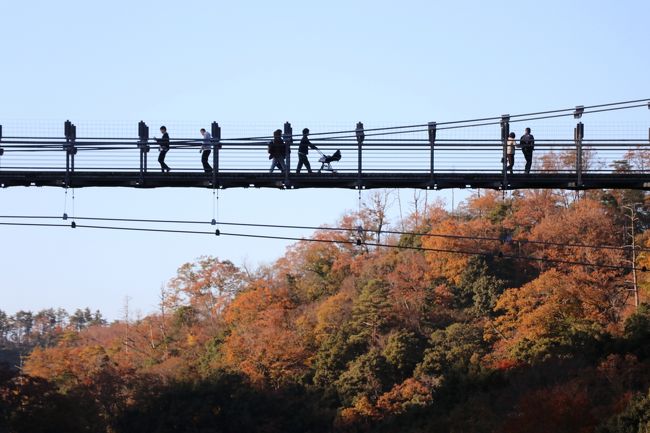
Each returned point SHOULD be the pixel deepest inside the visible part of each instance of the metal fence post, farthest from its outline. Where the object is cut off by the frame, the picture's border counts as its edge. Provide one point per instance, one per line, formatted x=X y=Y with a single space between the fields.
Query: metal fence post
x=70 y=132
x=288 y=141
x=431 y=129
x=216 y=145
x=578 y=135
x=505 y=132
x=2 y=151
x=361 y=136
x=73 y=148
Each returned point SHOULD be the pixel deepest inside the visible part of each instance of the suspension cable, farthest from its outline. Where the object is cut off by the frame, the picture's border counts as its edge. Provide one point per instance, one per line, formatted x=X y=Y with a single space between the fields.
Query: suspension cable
x=332 y=241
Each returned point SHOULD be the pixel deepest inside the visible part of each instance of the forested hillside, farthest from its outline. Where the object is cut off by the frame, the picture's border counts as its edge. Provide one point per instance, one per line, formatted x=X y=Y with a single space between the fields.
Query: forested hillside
x=511 y=314
x=21 y=332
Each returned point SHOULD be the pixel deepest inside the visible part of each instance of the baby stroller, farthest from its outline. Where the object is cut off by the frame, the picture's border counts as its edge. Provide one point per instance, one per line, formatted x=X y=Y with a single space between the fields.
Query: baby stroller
x=326 y=160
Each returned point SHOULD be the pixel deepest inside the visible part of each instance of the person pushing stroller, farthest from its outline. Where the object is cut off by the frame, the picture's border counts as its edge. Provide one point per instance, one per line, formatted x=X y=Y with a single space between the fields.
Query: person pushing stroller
x=303 y=151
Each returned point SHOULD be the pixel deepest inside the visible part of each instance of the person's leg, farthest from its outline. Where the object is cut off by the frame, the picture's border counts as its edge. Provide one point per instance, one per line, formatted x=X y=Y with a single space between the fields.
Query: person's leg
x=307 y=164
x=300 y=163
x=531 y=158
x=277 y=162
x=161 y=159
x=204 y=160
x=528 y=154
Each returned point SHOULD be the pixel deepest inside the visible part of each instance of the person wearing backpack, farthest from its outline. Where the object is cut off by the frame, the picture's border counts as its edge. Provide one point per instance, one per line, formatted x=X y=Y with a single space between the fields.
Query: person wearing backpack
x=277 y=151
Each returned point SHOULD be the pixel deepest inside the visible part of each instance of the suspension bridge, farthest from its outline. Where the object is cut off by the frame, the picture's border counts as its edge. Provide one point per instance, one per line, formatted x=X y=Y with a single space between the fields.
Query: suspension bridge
x=425 y=156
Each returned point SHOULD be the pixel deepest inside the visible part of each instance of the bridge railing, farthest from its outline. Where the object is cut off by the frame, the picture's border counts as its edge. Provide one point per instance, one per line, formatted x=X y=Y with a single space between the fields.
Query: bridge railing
x=377 y=156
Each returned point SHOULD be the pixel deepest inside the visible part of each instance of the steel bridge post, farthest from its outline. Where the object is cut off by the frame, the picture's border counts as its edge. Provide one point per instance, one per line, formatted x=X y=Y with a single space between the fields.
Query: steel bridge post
x=288 y=141
x=505 y=132
x=361 y=135
x=216 y=145
x=66 y=132
x=70 y=132
x=431 y=129
x=73 y=149
x=578 y=135
x=2 y=151
x=143 y=145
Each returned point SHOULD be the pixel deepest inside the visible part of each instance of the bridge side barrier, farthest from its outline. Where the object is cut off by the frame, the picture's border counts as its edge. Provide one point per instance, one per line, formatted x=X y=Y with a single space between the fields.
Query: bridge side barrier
x=421 y=154
x=377 y=156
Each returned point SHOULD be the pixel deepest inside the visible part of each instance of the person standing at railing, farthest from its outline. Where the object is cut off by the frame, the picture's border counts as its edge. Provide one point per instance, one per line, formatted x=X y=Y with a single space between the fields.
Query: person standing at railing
x=206 y=149
x=527 y=143
x=303 y=150
x=163 y=148
x=510 y=151
x=277 y=151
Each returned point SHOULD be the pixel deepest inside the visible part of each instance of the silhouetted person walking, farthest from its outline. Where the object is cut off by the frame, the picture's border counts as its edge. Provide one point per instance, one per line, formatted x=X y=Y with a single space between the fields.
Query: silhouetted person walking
x=206 y=149
x=303 y=150
x=277 y=151
x=527 y=143
x=163 y=149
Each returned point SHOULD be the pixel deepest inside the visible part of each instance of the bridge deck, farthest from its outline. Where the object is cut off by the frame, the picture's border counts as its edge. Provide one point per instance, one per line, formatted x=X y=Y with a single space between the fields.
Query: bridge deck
x=131 y=179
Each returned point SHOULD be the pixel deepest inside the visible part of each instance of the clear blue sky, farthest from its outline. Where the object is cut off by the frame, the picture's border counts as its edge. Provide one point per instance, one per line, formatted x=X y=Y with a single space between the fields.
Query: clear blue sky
x=334 y=62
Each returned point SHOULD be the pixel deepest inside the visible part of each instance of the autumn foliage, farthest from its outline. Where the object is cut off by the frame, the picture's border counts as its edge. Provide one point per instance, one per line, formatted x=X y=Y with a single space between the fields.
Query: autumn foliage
x=509 y=314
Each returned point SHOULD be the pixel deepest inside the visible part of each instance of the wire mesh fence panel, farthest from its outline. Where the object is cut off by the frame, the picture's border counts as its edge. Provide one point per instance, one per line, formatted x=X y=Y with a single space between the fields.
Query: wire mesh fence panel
x=114 y=146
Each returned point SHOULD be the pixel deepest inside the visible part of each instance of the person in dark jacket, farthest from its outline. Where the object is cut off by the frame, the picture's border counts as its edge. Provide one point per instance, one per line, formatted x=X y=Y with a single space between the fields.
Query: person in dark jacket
x=277 y=151
x=527 y=143
x=163 y=149
x=303 y=150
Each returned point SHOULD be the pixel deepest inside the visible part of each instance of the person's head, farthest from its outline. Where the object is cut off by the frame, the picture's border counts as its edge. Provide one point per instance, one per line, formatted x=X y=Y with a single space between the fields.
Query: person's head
x=163 y=129
x=277 y=133
x=511 y=135
x=305 y=131
x=202 y=131
x=527 y=130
